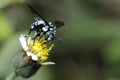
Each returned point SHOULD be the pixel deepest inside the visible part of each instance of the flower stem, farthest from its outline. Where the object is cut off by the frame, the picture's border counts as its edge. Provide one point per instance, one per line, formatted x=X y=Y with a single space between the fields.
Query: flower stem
x=12 y=76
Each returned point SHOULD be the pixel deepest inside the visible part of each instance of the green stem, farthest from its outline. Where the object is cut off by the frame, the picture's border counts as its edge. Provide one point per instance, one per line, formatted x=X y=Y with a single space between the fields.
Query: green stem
x=12 y=76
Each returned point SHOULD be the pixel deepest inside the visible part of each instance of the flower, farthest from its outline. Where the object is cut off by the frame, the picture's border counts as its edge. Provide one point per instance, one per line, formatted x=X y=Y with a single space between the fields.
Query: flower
x=37 y=49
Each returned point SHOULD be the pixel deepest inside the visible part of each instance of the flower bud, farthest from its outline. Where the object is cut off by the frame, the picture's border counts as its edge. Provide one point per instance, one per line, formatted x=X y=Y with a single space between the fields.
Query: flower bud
x=24 y=66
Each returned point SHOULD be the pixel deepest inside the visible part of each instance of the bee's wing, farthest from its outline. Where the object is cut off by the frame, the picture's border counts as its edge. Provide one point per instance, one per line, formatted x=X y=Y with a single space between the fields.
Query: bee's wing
x=37 y=16
x=59 y=24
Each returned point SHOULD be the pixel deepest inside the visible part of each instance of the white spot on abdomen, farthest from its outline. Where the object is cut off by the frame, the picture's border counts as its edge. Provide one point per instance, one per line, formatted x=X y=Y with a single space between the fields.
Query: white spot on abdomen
x=44 y=29
x=40 y=22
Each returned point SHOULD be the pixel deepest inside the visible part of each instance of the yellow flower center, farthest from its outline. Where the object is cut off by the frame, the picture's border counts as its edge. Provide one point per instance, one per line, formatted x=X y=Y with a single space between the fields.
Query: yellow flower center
x=40 y=48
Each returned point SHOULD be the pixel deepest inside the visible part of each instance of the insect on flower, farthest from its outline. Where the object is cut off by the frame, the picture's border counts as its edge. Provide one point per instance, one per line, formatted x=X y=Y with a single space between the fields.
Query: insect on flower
x=39 y=51
x=43 y=27
x=32 y=57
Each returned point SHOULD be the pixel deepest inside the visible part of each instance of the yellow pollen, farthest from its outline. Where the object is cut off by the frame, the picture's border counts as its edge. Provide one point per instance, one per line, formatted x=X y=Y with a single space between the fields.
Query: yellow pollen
x=39 y=48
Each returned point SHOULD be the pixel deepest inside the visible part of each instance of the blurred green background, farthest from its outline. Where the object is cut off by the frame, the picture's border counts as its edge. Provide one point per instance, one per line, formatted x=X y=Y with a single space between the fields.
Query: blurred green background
x=91 y=32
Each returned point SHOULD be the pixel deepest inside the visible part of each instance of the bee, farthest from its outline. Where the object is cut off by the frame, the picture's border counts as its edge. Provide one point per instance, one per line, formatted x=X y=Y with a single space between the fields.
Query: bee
x=41 y=27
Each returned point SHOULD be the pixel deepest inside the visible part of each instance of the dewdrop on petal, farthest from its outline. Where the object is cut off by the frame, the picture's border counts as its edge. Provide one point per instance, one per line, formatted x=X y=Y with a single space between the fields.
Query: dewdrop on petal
x=34 y=55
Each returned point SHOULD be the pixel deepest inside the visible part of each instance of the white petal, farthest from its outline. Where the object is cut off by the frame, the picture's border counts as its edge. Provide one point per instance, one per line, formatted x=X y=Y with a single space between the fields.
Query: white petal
x=48 y=63
x=29 y=54
x=28 y=41
x=23 y=42
x=33 y=56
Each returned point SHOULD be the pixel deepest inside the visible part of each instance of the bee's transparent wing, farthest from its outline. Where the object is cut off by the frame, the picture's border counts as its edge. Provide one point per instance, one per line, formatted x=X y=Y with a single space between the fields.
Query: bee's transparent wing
x=59 y=24
x=64 y=41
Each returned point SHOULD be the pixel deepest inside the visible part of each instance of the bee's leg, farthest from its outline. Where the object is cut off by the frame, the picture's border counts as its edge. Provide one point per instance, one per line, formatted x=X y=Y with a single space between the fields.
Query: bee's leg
x=29 y=31
x=50 y=36
x=36 y=35
x=47 y=38
x=41 y=35
x=34 y=38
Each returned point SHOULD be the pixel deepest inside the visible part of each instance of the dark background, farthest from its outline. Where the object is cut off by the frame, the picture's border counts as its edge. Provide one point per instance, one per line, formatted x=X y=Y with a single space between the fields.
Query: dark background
x=91 y=50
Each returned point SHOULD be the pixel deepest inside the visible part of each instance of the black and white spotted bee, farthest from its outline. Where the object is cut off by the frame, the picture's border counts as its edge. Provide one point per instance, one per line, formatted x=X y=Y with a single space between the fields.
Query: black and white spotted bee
x=41 y=27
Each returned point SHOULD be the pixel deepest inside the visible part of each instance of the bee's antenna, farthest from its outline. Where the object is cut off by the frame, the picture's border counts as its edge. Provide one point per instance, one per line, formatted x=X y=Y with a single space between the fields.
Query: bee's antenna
x=62 y=40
